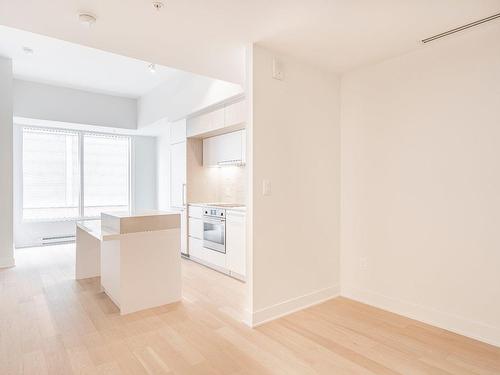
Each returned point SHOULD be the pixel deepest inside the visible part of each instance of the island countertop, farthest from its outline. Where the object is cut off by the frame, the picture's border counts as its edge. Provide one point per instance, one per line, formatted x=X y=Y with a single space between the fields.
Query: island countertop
x=124 y=222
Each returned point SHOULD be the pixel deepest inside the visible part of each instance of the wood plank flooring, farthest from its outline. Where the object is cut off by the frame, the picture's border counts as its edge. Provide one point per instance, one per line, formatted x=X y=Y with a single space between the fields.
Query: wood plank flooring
x=52 y=324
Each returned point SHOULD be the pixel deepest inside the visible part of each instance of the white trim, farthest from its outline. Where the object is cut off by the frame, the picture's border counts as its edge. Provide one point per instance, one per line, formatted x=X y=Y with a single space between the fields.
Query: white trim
x=457 y=324
x=7 y=262
x=292 y=305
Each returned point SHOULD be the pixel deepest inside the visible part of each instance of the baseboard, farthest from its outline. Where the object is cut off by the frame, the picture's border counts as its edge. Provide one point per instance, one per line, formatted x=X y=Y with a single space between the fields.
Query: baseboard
x=7 y=262
x=450 y=322
x=292 y=305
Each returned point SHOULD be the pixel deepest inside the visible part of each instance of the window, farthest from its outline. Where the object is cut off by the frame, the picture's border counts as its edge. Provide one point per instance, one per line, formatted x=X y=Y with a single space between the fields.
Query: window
x=61 y=167
x=106 y=174
x=50 y=174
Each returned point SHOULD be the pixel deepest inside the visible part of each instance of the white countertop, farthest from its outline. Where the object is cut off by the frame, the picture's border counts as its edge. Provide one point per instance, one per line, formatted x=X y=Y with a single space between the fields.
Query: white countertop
x=223 y=205
x=139 y=213
x=94 y=228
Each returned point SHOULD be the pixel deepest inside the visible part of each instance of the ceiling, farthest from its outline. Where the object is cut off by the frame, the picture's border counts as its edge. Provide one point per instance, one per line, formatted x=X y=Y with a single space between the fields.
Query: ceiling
x=208 y=37
x=71 y=65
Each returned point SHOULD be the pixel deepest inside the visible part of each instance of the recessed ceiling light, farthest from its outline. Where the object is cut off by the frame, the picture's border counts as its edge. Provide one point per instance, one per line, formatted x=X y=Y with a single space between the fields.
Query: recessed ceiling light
x=87 y=19
x=152 y=68
x=28 y=50
x=158 y=5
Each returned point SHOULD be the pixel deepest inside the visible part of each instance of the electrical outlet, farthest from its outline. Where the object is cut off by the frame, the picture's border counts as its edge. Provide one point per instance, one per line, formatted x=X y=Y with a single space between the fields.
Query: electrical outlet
x=363 y=263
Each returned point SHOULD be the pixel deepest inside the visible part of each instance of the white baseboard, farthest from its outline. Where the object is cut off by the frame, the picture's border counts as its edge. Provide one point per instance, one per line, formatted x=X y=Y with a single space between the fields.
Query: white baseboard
x=292 y=305
x=7 y=262
x=475 y=330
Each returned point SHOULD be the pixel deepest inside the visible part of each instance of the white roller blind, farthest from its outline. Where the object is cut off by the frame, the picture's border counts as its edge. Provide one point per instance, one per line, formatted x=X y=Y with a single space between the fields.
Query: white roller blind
x=54 y=177
x=50 y=174
x=106 y=173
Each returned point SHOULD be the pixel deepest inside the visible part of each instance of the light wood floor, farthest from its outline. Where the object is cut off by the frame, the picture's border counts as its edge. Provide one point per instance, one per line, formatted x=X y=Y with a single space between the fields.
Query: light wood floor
x=51 y=324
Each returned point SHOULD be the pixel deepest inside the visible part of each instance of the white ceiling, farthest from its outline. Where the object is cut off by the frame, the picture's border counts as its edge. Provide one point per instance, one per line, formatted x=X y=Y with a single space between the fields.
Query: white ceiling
x=208 y=37
x=66 y=64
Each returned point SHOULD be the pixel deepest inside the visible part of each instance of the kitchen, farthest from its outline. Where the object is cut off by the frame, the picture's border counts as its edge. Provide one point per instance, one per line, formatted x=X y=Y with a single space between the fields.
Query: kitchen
x=209 y=186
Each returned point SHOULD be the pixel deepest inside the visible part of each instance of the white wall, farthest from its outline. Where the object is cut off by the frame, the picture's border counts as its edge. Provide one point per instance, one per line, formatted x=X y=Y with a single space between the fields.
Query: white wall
x=6 y=189
x=163 y=168
x=296 y=147
x=144 y=175
x=45 y=102
x=182 y=96
x=421 y=183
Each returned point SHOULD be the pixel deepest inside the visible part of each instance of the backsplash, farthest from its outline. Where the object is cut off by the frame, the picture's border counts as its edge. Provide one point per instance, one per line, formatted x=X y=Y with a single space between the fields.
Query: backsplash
x=228 y=183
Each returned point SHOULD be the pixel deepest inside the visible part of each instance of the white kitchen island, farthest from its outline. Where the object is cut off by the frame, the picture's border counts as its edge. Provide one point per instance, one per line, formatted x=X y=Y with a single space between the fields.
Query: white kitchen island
x=137 y=256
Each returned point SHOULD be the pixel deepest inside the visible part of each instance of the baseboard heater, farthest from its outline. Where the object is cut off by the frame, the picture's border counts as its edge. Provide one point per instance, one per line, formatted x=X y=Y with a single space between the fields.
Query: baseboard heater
x=58 y=239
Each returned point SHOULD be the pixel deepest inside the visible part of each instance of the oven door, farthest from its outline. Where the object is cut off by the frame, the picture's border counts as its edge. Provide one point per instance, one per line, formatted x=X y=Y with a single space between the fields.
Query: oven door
x=214 y=234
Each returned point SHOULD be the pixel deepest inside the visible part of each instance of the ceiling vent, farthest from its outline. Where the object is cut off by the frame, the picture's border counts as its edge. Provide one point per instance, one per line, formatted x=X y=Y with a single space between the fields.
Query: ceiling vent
x=461 y=28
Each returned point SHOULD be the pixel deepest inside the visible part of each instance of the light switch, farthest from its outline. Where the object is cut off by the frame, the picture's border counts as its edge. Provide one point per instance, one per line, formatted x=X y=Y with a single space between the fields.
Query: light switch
x=266 y=187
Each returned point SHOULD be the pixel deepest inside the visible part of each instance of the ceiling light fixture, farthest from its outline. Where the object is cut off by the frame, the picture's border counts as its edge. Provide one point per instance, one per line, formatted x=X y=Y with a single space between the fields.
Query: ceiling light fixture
x=158 y=5
x=28 y=51
x=87 y=19
x=152 y=68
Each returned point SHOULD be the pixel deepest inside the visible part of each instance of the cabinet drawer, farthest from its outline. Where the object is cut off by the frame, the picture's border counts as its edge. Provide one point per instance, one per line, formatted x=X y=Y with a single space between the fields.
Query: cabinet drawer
x=195 y=228
x=206 y=256
x=195 y=246
x=213 y=257
x=196 y=212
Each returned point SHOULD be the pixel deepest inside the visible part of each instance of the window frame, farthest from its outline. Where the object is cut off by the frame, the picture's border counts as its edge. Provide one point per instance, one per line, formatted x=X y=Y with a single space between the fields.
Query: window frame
x=81 y=193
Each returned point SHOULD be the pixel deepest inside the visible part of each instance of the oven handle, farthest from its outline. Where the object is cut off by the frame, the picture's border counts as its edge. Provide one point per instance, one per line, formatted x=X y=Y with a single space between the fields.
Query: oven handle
x=213 y=220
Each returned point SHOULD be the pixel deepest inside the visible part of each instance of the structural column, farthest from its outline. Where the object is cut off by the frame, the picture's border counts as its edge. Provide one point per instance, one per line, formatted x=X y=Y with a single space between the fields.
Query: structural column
x=6 y=169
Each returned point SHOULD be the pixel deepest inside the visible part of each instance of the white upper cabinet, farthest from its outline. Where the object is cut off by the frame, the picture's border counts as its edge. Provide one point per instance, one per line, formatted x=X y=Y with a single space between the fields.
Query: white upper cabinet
x=231 y=117
x=178 y=131
x=205 y=123
x=223 y=149
x=235 y=114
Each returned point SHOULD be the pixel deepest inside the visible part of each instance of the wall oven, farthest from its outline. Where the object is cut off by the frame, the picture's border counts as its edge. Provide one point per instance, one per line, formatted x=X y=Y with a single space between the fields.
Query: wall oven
x=214 y=229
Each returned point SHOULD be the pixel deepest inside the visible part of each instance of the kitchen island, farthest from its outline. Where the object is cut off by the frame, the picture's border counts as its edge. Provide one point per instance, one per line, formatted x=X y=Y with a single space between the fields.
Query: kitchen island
x=136 y=254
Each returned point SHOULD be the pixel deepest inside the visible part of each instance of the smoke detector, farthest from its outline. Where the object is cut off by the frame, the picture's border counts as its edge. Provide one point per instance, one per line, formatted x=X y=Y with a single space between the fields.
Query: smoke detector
x=28 y=51
x=87 y=19
x=158 y=5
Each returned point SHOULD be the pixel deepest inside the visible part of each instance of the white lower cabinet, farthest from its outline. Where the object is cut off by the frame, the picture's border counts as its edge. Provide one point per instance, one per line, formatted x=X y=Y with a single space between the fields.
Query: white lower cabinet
x=196 y=228
x=206 y=256
x=233 y=262
x=235 y=243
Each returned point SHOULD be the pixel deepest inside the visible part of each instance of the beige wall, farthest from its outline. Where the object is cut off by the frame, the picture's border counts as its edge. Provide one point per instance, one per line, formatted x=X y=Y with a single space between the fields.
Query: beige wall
x=6 y=172
x=295 y=260
x=421 y=184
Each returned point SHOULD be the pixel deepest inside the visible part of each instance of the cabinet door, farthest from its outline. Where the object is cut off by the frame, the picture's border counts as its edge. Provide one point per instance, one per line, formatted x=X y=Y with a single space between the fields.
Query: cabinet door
x=209 y=152
x=195 y=228
x=244 y=146
x=235 y=113
x=217 y=119
x=229 y=147
x=205 y=123
x=184 y=244
x=178 y=131
x=178 y=175
x=235 y=242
